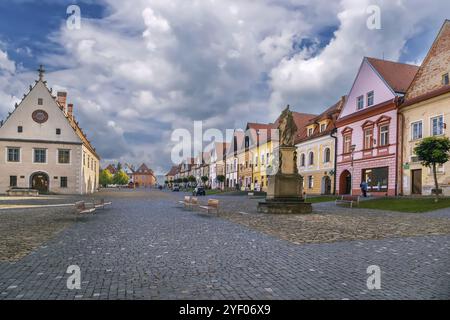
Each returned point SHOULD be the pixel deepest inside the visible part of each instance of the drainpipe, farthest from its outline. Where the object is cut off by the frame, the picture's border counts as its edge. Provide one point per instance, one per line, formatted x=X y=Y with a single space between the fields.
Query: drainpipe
x=401 y=120
x=333 y=135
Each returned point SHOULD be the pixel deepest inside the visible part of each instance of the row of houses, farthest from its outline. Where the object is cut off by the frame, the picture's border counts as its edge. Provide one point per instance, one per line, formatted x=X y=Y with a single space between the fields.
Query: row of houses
x=143 y=176
x=368 y=135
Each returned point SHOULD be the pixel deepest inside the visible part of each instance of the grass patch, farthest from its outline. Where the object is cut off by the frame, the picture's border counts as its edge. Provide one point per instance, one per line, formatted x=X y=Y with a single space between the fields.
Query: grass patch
x=321 y=199
x=412 y=205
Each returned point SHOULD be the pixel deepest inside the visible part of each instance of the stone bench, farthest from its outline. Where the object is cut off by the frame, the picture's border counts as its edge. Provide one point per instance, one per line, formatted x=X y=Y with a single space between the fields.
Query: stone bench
x=22 y=193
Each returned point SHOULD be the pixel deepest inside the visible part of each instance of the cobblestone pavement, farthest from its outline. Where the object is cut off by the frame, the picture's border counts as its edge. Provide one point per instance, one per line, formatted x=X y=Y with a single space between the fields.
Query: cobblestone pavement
x=146 y=247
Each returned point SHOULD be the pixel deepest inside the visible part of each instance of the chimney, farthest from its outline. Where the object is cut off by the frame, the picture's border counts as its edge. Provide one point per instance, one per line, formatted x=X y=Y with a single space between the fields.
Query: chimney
x=70 y=110
x=61 y=99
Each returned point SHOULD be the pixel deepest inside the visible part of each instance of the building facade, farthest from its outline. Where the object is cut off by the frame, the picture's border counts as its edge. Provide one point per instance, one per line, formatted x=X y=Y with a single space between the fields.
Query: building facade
x=42 y=146
x=367 y=128
x=144 y=177
x=316 y=152
x=425 y=113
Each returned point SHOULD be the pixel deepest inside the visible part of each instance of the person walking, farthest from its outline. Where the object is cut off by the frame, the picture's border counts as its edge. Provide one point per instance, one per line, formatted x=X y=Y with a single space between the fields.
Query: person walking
x=364 y=188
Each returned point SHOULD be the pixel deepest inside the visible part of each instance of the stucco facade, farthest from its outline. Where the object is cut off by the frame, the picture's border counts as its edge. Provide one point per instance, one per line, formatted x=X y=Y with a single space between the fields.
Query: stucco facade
x=425 y=113
x=367 y=128
x=42 y=147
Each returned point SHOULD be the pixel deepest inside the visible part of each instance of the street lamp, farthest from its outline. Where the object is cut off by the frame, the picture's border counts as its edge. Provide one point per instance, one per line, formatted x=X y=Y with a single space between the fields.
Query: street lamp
x=352 y=149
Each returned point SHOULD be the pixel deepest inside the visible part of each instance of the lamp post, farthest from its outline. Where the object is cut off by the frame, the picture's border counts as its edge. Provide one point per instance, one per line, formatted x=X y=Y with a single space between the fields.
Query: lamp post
x=352 y=149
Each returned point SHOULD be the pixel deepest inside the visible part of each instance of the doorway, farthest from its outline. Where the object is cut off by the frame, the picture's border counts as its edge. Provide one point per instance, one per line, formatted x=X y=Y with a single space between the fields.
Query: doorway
x=39 y=181
x=326 y=185
x=345 y=183
x=416 y=183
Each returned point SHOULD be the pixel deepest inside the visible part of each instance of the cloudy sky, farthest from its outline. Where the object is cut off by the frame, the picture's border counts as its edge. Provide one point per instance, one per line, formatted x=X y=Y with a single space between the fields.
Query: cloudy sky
x=136 y=70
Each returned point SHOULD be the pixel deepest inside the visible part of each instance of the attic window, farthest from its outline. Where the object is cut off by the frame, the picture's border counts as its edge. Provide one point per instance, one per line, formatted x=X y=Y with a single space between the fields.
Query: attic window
x=40 y=101
x=360 y=102
x=323 y=127
x=58 y=131
x=370 y=98
x=310 y=132
x=19 y=129
x=445 y=79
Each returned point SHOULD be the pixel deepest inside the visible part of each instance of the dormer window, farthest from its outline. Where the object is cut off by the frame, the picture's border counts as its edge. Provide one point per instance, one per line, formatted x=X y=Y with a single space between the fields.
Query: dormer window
x=445 y=79
x=323 y=127
x=310 y=131
x=370 y=98
x=360 y=102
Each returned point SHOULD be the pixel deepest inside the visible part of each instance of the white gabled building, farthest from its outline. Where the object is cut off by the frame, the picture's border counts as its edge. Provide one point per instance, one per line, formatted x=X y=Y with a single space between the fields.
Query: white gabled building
x=42 y=146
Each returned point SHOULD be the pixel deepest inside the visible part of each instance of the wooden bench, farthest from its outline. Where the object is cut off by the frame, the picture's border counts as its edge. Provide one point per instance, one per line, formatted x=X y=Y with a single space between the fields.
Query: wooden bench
x=81 y=208
x=189 y=202
x=348 y=199
x=186 y=201
x=193 y=203
x=212 y=205
x=101 y=205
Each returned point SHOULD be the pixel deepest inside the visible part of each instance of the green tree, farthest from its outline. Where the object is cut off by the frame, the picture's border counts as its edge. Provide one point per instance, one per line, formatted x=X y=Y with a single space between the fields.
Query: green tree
x=121 y=178
x=105 y=178
x=119 y=166
x=192 y=179
x=221 y=179
x=433 y=151
x=204 y=179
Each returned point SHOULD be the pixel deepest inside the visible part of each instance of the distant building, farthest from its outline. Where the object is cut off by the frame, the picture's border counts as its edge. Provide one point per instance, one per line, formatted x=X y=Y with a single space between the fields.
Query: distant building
x=144 y=177
x=43 y=147
x=112 y=169
x=170 y=176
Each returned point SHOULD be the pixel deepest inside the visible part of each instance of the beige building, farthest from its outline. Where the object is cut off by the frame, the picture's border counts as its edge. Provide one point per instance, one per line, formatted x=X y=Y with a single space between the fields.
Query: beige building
x=425 y=113
x=42 y=146
x=316 y=151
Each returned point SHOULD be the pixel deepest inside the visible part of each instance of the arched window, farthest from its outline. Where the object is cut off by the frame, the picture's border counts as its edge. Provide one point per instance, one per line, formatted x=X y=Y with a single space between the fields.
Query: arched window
x=311 y=158
x=302 y=160
x=327 y=155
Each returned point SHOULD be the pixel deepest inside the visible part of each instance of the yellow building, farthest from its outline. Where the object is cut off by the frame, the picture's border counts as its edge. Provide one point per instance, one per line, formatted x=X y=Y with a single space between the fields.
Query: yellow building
x=424 y=113
x=316 y=151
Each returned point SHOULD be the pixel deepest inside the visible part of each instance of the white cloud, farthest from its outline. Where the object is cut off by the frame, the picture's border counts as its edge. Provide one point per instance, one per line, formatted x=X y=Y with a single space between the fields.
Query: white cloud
x=152 y=66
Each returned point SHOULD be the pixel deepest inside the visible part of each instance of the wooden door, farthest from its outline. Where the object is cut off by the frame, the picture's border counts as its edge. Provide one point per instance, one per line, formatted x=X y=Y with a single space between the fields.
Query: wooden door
x=416 y=181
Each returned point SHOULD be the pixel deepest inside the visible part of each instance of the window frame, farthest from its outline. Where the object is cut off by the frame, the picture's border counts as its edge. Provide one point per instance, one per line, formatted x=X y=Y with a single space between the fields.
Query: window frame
x=327 y=155
x=360 y=102
x=412 y=130
x=445 y=79
x=432 y=126
x=348 y=135
x=311 y=158
x=365 y=136
x=370 y=98
x=63 y=182
x=58 y=156
x=45 y=155
x=19 y=155
x=12 y=185
x=381 y=133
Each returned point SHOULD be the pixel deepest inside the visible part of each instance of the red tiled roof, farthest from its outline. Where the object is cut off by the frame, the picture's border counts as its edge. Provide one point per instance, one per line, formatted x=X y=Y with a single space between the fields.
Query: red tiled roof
x=173 y=171
x=397 y=75
x=332 y=114
x=143 y=170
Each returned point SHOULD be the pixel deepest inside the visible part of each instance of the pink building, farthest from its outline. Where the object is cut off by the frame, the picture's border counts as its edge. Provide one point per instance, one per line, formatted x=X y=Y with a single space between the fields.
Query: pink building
x=367 y=128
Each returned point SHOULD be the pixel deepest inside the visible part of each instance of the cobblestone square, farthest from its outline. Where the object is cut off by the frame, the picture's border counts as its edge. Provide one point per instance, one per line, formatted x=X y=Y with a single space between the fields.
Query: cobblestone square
x=145 y=246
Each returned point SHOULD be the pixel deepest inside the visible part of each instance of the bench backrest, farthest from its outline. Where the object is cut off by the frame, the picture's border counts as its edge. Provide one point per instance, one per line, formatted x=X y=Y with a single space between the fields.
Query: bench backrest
x=350 y=198
x=213 y=203
x=194 y=200
x=187 y=199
